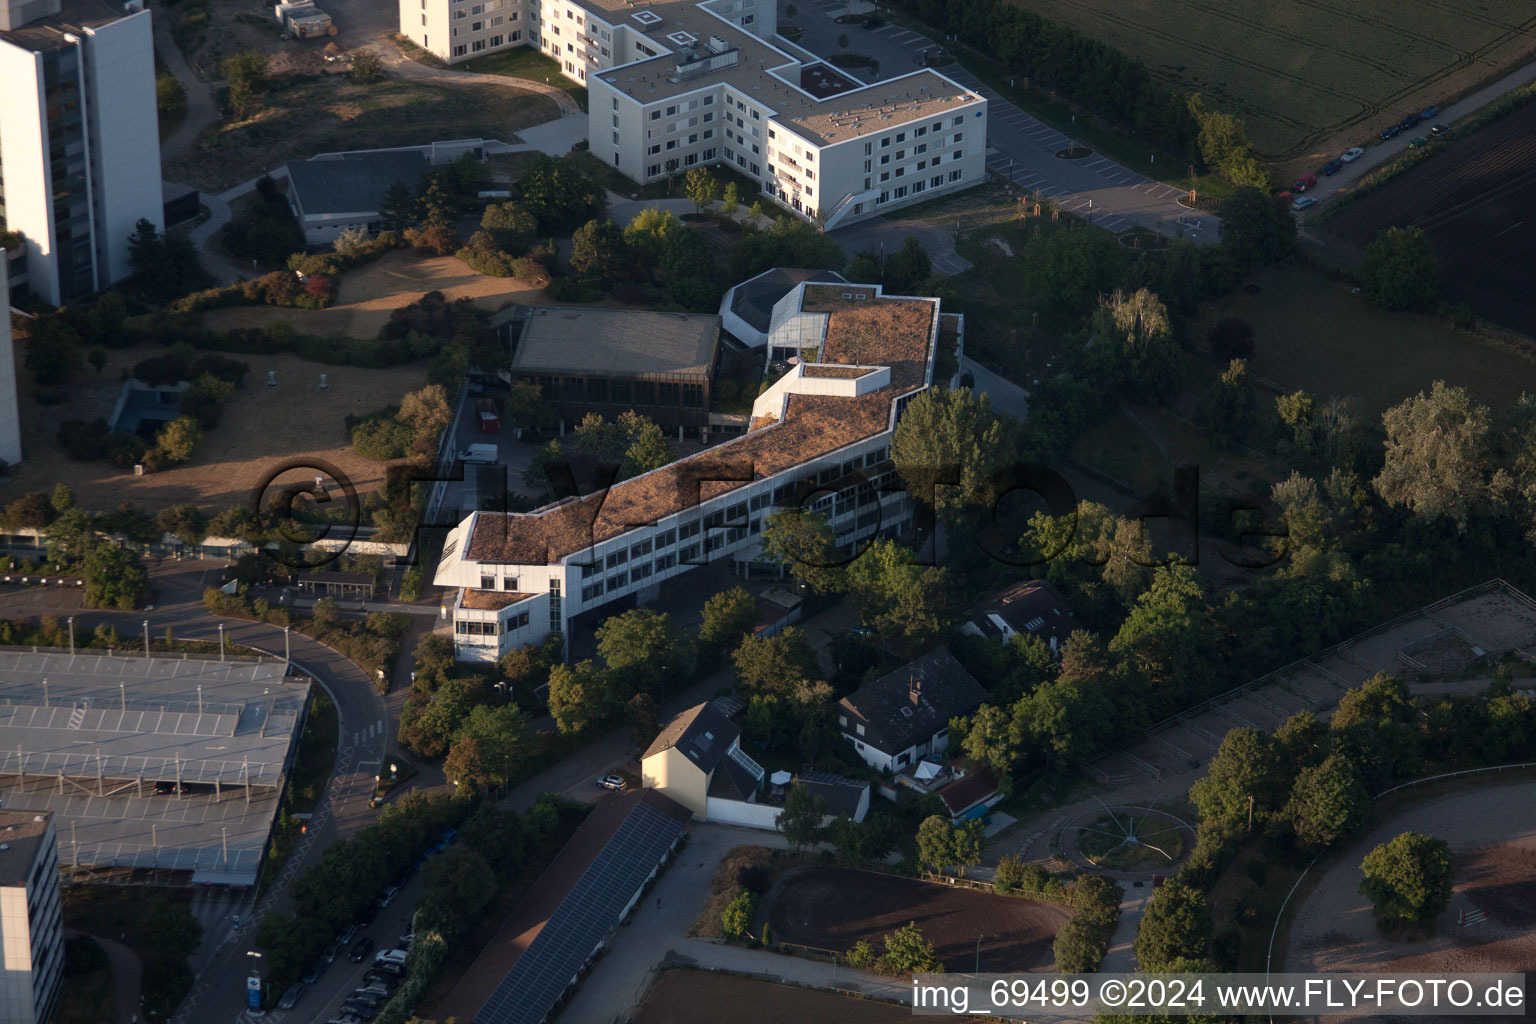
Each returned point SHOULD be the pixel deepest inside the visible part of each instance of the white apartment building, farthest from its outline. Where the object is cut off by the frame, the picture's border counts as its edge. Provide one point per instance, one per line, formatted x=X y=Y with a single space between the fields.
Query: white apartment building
x=820 y=439
x=31 y=918
x=79 y=140
x=10 y=411
x=675 y=84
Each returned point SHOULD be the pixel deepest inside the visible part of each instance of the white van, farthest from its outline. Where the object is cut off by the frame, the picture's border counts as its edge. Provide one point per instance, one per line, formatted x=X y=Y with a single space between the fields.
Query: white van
x=485 y=454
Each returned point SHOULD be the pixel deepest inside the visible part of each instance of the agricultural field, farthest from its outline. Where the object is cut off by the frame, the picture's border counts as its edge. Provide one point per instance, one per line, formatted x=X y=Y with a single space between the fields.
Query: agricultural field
x=1312 y=77
x=834 y=908
x=259 y=428
x=1473 y=199
x=703 y=997
x=1313 y=332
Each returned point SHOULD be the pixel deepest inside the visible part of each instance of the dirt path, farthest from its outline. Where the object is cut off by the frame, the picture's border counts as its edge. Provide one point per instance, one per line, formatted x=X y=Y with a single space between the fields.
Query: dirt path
x=414 y=71
x=201 y=109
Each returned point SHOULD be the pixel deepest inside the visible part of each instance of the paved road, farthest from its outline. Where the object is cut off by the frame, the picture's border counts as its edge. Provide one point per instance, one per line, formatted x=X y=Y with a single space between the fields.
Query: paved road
x=1019 y=146
x=201 y=109
x=127 y=969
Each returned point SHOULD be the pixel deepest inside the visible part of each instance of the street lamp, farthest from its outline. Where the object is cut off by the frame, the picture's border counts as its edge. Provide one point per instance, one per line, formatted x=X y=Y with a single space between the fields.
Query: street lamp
x=221 y=641
x=71 y=634
x=146 y=638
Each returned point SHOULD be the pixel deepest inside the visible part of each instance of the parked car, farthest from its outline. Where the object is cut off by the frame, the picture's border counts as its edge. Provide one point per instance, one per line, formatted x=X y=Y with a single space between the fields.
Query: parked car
x=1287 y=195
x=1391 y=132
x=1303 y=203
x=388 y=896
x=363 y=995
x=1333 y=167
x=291 y=997
x=1417 y=141
x=406 y=940
x=1409 y=121
x=386 y=956
x=377 y=976
x=316 y=969
x=1429 y=112
x=333 y=950
x=393 y=968
x=347 y=934
x=376 y=989
x=1438 y=129
x=1304 y=182
x=1352 y=154
x=360 y=950
x=367 y=915
x=360 y=1010
x=611 y=782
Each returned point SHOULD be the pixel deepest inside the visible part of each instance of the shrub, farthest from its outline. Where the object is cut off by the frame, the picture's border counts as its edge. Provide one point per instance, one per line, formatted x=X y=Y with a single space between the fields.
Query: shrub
x=438 y=240
x=736 y=919
x=484 y=256
x=86 y=441
x=862 y=955
x=568 y=289
x=1079 y=947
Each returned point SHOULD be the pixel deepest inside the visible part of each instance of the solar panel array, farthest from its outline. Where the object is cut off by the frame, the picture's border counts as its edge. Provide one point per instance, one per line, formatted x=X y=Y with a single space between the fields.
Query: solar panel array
x=583 y=918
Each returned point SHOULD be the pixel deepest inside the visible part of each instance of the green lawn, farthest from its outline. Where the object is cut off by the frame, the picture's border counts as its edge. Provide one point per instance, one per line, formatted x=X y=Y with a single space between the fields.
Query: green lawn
x=1313 y=332
x=525 y=62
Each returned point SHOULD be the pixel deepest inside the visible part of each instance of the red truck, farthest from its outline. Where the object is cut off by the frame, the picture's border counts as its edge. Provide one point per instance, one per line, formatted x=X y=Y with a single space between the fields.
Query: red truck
x=490 y=419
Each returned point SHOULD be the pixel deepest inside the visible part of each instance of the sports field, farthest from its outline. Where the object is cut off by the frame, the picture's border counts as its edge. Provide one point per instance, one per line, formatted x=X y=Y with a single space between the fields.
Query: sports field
x=1312 y=77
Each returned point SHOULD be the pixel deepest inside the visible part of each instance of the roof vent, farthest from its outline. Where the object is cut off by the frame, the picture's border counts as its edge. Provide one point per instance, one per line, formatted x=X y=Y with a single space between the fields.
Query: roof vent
x=5 y=846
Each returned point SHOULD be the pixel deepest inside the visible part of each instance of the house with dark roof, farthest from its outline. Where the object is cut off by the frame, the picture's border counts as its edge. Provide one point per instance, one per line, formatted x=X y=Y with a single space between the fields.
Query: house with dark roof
x=903 y=716
x=698 y=761
x=842 y=797
x=588 y=890
x=1034 y=607
x=334 y=193
x=747 y=310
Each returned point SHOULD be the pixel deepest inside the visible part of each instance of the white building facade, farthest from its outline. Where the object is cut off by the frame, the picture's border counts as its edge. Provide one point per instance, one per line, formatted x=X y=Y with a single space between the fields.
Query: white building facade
x=31 y=918
x=820 y=440
x=678 y=84
x=79 y=141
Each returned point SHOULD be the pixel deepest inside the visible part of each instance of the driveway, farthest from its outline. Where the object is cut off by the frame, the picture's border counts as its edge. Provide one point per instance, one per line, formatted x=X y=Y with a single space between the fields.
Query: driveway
x=1019 y=147
x=887 y=235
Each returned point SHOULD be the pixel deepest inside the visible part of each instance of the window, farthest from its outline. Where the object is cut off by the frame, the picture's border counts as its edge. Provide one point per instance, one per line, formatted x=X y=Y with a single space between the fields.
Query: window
x=858 y=727
x=672 y=110
x=460 y=15
x=709 y=101
x=919 y=133
x=459 y=51
x=592 y=590
x=901 y=136
x=954 y=175
x=653 y=170
x=487 y=582
x=709 y=133
x=643 y=548
x=655 y=115
x=959 y=137
x=885 y=158
x=901 y=154
x=615 y=582
x=509 y=583
x=919 y=149
x=477 y=45
x=497 y=40
x=615 y=103
x=654 y=149
x=885 y=142
x=616 y=558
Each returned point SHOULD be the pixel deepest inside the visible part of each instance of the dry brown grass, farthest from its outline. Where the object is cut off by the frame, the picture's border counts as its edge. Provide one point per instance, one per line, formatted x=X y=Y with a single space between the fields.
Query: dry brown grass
x=368 y=294
x=727 y=884
x=260 y=428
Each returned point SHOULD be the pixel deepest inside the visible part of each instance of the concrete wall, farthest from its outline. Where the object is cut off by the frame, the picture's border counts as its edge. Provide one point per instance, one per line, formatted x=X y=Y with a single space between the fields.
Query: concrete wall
x=24 y=164
x=738 y=812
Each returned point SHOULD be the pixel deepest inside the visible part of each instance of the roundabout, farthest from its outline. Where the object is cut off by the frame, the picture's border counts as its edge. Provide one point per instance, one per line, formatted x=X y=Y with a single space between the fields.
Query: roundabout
x=1127 y=842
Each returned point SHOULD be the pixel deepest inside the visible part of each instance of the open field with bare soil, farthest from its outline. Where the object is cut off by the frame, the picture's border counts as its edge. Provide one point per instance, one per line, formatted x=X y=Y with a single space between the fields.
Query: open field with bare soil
x=367 y=294
x=1494 y=851
x=703 y=997
x=1312 y=332
x=303 y=114
x=260 y=427
x=833 y=908
x=1474 y=201
x=1311 y=77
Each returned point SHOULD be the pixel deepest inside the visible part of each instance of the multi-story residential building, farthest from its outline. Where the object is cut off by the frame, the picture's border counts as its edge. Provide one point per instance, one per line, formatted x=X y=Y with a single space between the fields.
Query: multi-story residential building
x=79 y=140
x=10 y=412
x=676 y=84
x=820 y=439
x=31 y=918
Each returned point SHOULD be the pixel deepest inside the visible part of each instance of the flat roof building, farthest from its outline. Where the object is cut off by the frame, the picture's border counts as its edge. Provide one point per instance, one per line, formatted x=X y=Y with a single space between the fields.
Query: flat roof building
x=157 y=769
x=31 y=918
x=676 y=84
x=609 y=361
x=821 y=431
x=79 y=141
x=338 y=192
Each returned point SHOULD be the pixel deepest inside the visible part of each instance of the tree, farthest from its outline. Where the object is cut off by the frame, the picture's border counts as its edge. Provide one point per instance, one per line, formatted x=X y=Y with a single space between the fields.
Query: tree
x=397 y=207
x=62 y=499
x=513 y=227
x=246 y=75
x=599 y=252
x=729 y=617
x=936 y=842
x=178 y=438
x=954 y=452
x=1246 y=768
x=428 y=413
x=730 y=201
x=505 y=742
x=970 y=841
x=366 y=68
x=644 y=651
x=1437 y=455
x=465 y=767
x=848 y=837
x=800 y=820
x=53 y=350
x=170 y=94
x=1066 y=271
x=907 y=268
x=1167 y=636
x=843 y=41
x=700 y=188
x=1408 y=878
x=526 y=407
x=644 y=721
x=184 y=522
x=579 y=696
x=1327 y=802
x=114 y=578
x=1175 y=927
x=908 y=952
x=687 y=269
x=773 y=664
x=1256 y=228
x=906 y=602
x=1069 y=719
x=1228 y=408
x=457 y=885
x=559 y=194
x=803 y=543
x=736 y=919
x=1079 y=947
x=31 y=510
x=1399 y=271
x=1132 y=349
x=433 y=206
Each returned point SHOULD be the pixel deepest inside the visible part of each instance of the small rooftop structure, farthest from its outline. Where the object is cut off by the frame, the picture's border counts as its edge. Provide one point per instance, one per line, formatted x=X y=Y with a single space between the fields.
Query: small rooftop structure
x=970 y=796
x=746 y=310
x=1034 y=607
x=21 y=833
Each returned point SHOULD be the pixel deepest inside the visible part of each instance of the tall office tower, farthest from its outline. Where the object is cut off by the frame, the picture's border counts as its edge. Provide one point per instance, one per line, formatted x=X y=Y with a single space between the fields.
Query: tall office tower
x=31 y=918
